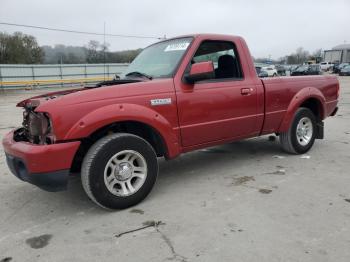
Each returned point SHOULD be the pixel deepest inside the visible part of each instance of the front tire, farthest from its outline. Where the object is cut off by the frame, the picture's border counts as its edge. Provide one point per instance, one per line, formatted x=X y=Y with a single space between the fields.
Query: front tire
x=302 y=133
x=119 y=171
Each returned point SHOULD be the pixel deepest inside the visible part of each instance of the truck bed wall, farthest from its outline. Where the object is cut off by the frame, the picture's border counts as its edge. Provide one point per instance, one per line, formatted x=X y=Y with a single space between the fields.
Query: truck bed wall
x=282 y=91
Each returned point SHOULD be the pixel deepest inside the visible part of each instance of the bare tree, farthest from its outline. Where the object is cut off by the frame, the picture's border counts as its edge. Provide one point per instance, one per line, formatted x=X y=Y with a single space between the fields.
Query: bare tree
x=301 y=55
x=93 y=52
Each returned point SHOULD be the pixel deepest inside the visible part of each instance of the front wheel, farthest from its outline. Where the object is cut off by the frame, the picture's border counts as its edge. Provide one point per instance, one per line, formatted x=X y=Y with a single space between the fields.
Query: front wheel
x=119 y=171
x=302 y=133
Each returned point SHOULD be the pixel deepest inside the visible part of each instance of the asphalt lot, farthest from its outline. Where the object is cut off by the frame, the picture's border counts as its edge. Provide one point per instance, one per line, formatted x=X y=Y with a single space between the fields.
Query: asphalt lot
x=245 y=201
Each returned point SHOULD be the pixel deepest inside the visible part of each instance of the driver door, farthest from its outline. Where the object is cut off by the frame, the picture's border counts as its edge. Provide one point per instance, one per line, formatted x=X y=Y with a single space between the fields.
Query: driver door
x=221 y=108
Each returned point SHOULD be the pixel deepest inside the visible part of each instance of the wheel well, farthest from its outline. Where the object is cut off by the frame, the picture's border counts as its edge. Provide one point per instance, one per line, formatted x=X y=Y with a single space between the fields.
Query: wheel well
x=132 y=127
x=315 y=106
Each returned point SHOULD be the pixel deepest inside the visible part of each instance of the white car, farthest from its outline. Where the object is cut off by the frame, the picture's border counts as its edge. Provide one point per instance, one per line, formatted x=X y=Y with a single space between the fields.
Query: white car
x=325 y=66
x=271 y=70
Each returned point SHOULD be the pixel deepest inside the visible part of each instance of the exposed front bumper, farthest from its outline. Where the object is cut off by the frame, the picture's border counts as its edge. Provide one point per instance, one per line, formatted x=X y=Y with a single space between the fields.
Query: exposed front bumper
x=46 y=166
x=51 y=181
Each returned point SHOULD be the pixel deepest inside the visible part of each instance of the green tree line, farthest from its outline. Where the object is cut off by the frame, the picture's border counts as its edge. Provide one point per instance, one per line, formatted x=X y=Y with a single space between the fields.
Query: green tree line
x=20 y=48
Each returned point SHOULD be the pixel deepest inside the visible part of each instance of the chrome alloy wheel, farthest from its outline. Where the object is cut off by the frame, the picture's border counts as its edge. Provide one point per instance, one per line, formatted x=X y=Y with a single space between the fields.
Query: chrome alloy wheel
x=304 y=131
x=125 y=173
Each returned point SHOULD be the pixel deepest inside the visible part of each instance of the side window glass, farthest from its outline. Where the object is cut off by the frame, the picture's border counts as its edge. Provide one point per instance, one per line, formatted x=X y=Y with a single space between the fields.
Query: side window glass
x=224 y=57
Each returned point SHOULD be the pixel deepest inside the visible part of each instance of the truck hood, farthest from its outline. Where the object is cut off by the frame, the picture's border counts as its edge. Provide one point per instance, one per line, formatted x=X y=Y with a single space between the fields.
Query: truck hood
x=35 y=101
x=120 y=91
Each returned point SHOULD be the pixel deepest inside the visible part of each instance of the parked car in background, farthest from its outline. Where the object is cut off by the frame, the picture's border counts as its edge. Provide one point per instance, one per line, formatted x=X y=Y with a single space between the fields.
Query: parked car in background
x=292 y=68
x=261 y=73
x=326 y=66
x=338 y=68
x=287 y=67
x=281 y=70
x=307 y=70
x=271 y=70
x=335 y=66
x=345 y=71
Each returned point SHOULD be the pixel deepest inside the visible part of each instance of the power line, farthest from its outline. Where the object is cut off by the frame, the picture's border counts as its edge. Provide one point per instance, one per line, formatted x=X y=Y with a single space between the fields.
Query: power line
x=79 y=32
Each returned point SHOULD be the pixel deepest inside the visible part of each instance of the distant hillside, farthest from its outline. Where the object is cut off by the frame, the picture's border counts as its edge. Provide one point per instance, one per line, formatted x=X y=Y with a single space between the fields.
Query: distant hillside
x=64 y=54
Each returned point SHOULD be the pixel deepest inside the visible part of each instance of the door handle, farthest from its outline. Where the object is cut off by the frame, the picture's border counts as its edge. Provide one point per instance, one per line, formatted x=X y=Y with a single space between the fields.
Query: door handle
x=246 y=91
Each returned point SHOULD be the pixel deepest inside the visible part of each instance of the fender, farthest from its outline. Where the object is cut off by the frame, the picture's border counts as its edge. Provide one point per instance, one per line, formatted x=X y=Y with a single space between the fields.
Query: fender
x=299 y=98
x=126 y=112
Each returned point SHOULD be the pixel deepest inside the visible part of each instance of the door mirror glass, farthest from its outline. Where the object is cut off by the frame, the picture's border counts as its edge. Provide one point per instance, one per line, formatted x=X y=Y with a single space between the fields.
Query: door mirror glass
x=200 y=71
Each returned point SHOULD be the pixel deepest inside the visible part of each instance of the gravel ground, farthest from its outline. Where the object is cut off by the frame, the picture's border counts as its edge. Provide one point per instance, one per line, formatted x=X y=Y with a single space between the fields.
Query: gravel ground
x=244 y=201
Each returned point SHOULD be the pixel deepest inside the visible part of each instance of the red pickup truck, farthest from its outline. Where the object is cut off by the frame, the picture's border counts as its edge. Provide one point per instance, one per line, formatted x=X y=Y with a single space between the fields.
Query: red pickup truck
x=178 y=95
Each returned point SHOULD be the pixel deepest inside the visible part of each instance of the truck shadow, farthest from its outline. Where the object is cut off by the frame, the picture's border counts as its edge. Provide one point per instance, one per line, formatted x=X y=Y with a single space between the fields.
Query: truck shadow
x=215 y=160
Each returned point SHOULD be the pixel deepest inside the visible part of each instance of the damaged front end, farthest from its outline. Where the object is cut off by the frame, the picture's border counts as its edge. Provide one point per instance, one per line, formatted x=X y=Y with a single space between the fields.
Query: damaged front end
x=36 y=127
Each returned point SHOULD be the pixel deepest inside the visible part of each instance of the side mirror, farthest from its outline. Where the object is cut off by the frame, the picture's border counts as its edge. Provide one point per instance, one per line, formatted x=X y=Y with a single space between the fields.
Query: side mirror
x=200 y=71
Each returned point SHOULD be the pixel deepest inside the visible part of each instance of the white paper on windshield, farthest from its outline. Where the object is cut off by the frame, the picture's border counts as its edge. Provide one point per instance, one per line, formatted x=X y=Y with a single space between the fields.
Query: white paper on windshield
x=176 y=47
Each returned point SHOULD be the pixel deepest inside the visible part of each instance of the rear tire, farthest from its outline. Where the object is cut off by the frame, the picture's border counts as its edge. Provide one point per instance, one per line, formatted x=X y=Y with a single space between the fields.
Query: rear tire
x=302 y=133
x=119 y=171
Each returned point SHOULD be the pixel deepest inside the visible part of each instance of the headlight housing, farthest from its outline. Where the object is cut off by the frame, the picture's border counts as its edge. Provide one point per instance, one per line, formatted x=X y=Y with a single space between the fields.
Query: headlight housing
x=38 y=127
x=38 y=124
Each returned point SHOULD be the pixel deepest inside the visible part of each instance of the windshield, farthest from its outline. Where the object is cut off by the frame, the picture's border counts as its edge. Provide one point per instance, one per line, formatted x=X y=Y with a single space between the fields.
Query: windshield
x=159 y=60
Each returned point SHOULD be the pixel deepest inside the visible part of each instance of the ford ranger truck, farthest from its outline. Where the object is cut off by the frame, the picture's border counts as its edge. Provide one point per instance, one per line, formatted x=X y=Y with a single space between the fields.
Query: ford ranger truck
x=178 y=95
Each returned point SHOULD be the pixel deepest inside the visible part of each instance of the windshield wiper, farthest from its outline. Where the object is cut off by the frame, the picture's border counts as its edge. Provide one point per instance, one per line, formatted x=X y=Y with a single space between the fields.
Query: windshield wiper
x=136 y=73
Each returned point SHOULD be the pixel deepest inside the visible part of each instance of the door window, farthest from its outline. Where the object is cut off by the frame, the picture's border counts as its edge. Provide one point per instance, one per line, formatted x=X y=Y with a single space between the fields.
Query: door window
x=224 y=57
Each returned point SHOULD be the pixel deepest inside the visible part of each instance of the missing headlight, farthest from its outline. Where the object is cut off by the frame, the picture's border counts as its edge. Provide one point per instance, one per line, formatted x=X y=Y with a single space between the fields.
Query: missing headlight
x=38 y=124
x=38 y=127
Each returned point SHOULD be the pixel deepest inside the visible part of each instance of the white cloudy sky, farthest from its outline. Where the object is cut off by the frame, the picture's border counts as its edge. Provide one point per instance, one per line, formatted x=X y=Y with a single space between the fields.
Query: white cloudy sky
x=271 y=27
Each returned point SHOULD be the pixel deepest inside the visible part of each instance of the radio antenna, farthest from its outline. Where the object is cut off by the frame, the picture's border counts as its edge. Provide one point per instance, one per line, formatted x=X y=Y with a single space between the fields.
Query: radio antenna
x=104 y=51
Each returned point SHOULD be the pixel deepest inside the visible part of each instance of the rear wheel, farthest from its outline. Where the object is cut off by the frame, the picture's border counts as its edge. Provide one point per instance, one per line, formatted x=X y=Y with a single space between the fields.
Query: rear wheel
x=119 y=171
x=302 y=133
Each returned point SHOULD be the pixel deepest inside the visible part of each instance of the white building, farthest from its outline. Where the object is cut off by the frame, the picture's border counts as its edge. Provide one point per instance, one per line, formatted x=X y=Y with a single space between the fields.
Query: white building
x=339 y=53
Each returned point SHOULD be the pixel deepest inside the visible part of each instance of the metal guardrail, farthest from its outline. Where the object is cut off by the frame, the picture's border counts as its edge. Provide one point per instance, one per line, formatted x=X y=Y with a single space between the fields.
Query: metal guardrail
x=31 y=76
x=37 y=83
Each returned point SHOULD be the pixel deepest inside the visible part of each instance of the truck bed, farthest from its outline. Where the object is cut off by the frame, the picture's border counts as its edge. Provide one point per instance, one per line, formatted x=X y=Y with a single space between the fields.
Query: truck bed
x=280 y=91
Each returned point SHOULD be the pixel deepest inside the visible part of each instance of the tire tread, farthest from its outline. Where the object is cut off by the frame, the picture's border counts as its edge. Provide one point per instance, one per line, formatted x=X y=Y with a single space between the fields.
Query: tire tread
x=286 y=137
x=90 y=156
